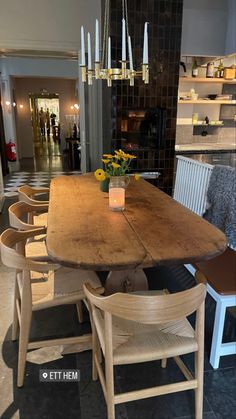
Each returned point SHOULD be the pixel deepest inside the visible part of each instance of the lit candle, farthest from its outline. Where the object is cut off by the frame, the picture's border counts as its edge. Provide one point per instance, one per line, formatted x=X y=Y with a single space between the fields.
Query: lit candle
x=145 y=44
x=109 y=53
x=97 y=42
x=82 y=47
x=123 y=40
x=117 y=199
x=131 y=66
x=89 y=53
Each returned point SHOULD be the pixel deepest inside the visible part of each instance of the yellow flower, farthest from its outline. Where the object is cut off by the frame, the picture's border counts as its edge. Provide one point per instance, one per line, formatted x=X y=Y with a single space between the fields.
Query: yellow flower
x=115 y=165
x=100 y=175
x=106 y=161
x=120 y=153
x=109 y=156
x=137 y=176
x=131 y=156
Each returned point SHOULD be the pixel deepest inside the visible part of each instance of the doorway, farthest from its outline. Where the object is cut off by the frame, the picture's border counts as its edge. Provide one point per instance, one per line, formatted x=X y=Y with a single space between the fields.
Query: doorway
x=45 y=124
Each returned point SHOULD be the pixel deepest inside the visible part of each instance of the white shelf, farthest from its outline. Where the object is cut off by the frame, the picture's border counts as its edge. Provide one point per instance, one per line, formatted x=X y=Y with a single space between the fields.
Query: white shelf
x=207 y=80
x=207 y=102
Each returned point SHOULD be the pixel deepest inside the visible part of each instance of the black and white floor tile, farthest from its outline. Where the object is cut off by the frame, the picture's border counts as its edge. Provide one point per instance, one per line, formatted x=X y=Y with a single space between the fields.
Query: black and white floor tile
x=34 y=179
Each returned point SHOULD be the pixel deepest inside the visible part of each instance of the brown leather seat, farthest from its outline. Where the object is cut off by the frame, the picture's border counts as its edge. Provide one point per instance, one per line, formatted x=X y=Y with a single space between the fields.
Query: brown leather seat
x=220 y=272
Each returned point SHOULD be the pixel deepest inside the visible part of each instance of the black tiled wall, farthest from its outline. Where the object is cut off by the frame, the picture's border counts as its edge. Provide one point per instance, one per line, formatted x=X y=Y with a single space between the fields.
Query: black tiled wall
x=165 y=22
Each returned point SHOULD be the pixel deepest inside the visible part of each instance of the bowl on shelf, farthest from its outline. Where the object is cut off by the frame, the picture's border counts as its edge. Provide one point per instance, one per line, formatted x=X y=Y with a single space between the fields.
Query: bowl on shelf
x=212 y=96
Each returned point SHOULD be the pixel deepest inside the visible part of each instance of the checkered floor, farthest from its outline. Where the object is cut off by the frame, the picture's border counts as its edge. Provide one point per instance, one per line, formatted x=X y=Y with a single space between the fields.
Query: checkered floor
x=35 y=179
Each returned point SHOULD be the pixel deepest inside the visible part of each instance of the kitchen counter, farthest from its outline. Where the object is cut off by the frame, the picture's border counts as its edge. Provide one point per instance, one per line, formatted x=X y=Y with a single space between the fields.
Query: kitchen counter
x=206 y=147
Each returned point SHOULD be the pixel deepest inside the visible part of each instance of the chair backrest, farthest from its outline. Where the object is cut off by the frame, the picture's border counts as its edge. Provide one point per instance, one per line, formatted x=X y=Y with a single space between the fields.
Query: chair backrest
x=149 y=309
x=9 y=241
x=191 y=183
x=19 y=210
x=26 y=194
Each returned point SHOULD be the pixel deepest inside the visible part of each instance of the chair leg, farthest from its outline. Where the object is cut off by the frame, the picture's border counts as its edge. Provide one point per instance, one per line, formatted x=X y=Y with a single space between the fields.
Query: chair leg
x=95 y=345
x=80 y=311
x=15 y=323
x=23 y=343
x=217 y=334
x=110 y=386
x=199 y=372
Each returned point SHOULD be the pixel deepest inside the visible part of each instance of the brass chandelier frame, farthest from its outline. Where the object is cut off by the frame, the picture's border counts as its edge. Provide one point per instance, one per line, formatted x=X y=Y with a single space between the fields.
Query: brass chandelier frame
x=100 y=72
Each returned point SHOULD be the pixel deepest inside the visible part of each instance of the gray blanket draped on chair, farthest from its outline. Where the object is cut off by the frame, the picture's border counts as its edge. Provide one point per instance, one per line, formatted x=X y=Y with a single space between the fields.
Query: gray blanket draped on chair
x=221 y=196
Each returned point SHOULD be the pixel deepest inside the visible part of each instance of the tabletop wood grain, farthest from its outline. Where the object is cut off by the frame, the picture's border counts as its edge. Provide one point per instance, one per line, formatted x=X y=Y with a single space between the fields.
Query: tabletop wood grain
x=153 y=229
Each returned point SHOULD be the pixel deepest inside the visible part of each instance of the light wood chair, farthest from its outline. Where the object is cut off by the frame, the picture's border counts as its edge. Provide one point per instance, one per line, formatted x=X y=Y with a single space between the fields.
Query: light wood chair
x=219 y=275
x=27 y=194
x=18 y=213
x=21 y=211
x=34 y=247
x=130 y=328
x=39 y=285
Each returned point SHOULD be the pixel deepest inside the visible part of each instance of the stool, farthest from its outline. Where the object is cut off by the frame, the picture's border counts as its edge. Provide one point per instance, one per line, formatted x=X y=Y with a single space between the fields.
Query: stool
x=220 y=276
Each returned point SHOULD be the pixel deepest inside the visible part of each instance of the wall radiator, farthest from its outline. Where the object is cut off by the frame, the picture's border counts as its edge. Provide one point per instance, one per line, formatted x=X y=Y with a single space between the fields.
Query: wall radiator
x=191 y=183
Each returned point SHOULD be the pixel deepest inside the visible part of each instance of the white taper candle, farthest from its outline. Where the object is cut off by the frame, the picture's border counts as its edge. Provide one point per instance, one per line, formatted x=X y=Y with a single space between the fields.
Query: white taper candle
x=131 y=66
x=97 y=42
x=89 y=53
x=109 y=53
x=82 y=47
x=145 y=44
x=123 y=40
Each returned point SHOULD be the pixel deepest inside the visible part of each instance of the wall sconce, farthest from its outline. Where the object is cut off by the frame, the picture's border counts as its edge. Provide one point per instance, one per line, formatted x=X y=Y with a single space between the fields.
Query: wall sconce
x=14 y=104
x=72 y=107
x=76 y=106
x=8 y=103
x=21 y=106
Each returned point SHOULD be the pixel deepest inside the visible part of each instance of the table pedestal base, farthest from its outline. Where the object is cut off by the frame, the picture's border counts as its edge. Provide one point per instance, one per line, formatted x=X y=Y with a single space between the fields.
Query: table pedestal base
x=126 y=281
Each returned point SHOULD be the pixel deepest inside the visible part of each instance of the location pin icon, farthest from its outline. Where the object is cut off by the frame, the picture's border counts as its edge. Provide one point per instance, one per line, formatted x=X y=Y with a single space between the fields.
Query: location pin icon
x=45 y=374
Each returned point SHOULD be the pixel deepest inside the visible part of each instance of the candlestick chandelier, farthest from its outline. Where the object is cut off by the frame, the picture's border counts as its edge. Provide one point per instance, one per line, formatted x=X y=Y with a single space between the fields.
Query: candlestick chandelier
x=102 y=68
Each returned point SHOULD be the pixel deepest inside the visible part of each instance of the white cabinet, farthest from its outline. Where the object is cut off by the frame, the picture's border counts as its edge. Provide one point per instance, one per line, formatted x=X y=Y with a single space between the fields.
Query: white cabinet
x=208 y=28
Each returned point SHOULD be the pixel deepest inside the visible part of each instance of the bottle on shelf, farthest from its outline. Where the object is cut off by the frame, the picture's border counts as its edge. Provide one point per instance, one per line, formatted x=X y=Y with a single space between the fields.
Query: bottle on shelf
x=220 y=70
x=194 y=68
x=195 y=118
x=210 y=70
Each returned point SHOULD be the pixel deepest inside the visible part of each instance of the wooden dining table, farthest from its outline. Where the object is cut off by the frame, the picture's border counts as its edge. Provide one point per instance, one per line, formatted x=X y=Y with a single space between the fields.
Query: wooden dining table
x=152 y=230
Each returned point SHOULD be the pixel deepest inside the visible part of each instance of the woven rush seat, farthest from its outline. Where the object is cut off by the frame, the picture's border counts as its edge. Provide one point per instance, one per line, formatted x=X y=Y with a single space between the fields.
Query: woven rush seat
x=36 y=248
x=52 y=288
x=136 y=342
x=41 y=220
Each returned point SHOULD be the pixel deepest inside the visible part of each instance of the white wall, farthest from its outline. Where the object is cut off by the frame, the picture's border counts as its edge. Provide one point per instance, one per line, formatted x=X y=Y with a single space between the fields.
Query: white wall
x=26 y=67
x=46 y=24
x=204 y=27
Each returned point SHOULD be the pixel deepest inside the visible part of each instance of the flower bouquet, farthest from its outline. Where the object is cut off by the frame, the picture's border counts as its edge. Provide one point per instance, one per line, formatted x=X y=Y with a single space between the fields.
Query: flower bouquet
x=117 y=164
